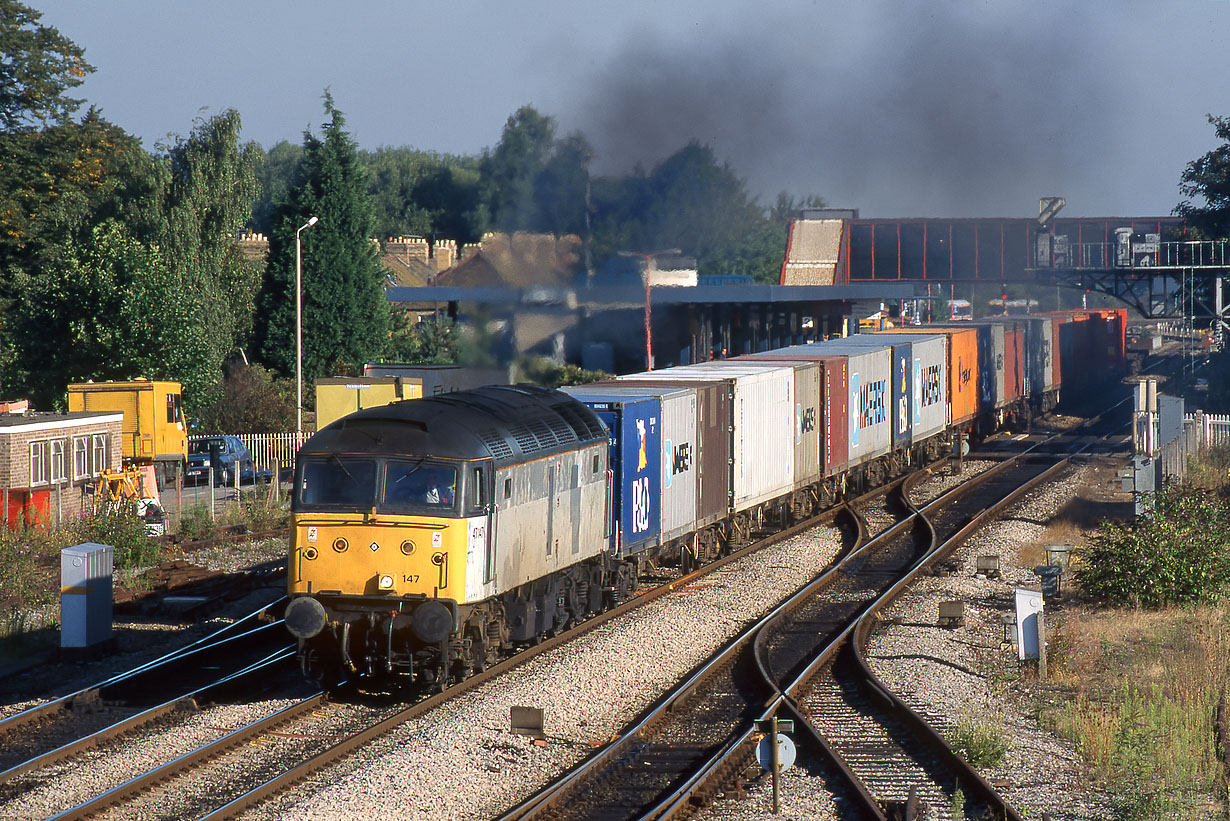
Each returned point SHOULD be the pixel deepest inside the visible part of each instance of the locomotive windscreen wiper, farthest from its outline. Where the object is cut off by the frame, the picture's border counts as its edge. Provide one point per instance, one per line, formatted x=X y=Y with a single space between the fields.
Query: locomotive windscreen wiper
x=411 y=472
x=342 y=465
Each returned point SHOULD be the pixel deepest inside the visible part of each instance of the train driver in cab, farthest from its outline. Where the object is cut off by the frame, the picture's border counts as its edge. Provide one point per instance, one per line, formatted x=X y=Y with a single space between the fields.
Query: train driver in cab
x=420 y=485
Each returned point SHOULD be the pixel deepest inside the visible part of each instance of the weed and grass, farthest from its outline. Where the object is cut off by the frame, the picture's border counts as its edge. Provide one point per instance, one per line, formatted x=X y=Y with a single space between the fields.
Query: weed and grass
x=257 y=509
x=1143 y=687
x=195 y=522
x=1177 y=552
x=982 y=745
x=29 y=556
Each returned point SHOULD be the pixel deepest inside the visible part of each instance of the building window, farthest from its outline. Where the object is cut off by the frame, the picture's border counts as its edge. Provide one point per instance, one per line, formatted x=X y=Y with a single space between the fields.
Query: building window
x=59 y=470
x=38 y=463
x=81 y=457
x=100 y=453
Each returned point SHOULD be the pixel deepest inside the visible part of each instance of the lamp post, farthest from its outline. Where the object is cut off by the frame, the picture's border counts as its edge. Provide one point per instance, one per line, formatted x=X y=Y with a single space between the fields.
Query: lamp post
x=299 y=322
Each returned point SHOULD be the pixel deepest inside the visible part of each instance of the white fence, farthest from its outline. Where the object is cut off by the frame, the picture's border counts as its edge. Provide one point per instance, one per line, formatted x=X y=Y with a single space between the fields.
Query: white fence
x=270 y=449
x=1201 y=431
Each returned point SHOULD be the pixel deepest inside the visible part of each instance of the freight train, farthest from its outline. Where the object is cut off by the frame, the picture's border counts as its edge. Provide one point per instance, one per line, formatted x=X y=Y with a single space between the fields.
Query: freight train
x=431 y=537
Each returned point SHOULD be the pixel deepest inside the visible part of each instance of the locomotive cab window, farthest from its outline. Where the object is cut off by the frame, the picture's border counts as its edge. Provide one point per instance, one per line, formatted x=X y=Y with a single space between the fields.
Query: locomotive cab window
x=419 y=485
x=338 y=482
x=476 y=489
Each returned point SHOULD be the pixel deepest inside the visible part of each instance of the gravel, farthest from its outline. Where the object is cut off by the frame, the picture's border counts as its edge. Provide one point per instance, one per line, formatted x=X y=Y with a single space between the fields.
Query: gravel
x=72 y=782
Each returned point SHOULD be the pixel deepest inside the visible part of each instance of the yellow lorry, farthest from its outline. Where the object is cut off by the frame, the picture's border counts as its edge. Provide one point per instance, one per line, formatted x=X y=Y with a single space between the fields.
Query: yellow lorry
x=154 y=432
x=337 y=396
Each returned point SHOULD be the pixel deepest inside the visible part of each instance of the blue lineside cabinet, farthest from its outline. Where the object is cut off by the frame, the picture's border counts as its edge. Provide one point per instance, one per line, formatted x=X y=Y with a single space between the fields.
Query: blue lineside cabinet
x=635 y=425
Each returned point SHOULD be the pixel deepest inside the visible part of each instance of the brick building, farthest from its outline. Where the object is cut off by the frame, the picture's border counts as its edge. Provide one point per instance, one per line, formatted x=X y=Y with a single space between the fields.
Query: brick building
x=49 y=463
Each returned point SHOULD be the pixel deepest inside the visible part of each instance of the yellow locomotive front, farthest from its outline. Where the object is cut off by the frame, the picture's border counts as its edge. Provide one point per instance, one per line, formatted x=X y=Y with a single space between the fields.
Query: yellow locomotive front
x=395 y=570
x=378 y=560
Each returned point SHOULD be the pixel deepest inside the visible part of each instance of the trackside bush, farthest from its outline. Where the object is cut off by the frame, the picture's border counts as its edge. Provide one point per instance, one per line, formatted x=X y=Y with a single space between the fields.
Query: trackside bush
x=1177 y=552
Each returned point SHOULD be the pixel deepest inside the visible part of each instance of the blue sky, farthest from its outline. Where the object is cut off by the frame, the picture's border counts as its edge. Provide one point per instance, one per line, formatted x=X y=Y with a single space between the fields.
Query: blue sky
x=895 y=107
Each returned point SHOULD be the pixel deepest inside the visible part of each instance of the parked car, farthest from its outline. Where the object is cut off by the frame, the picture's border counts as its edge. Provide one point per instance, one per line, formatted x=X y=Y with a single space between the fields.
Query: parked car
x=233 y=455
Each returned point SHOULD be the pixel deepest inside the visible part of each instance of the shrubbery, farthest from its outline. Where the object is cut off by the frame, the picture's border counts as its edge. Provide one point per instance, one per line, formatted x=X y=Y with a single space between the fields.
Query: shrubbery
x=1178 y=552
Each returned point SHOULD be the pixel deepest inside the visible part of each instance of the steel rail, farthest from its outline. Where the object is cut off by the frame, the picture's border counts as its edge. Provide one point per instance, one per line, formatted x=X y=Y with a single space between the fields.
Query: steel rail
x=236 y=629
x=632 y=736
x=135 y=786
x=187 y=701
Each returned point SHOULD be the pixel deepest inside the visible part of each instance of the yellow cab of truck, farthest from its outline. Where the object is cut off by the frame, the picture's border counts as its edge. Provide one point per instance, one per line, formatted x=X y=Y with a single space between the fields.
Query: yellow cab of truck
x=154 y=429
x=338 y=396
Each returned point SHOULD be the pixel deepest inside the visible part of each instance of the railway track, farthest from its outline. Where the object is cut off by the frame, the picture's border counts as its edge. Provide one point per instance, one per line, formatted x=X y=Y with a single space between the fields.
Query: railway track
x=225 y=664
x=887 y=760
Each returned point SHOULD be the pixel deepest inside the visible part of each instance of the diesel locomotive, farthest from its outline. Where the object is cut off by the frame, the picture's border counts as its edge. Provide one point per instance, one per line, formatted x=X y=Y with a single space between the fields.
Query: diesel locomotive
x=429 y=535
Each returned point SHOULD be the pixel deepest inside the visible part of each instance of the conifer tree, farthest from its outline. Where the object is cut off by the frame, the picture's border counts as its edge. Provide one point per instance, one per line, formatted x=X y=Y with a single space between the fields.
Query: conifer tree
x=345 y=311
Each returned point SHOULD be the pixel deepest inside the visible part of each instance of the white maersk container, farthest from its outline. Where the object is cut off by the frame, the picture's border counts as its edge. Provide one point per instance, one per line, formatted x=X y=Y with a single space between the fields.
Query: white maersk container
x=869 y=377
x=929 y=402
x=680 y=468
x=807 y=411
x=762 y=424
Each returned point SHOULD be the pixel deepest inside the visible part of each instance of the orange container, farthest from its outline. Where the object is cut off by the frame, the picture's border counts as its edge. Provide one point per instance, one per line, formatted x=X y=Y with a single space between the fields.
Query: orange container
x=963 y=374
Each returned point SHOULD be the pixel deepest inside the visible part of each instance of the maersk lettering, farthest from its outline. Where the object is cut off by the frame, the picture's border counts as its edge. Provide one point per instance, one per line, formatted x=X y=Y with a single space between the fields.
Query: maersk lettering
x=930 y=389
x=871 y=409
x=682 y=460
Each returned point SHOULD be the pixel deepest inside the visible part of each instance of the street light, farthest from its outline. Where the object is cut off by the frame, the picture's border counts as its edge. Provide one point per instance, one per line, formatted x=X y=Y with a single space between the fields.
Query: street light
x=299 y=321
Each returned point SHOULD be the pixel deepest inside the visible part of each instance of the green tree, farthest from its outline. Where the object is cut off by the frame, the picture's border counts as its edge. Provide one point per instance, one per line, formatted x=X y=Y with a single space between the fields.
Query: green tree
x=449 y=194
x=510 y=171
x=395 y=172
x=115 y=310
x=1207 y=179
x=561 y=188
x=694 y=202
x=250 y=399
x=345 y=311
x=275 y=171
x=57 y=183
x=38 y=66
x=208 y=186
x=429 y=342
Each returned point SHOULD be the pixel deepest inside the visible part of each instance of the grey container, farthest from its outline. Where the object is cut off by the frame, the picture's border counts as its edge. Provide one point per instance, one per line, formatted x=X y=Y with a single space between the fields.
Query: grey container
x=680 y=470
x=1040 y=356
x=929 y=386
x=762 y=424
x=869 y=380
x=85 y=594
x=900 y=418
x=807 y=410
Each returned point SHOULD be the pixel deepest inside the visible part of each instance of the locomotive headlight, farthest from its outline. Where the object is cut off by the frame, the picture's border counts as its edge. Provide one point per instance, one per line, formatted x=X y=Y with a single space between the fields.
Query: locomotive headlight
x=310 y=553
x=386 y=582
x=340 y=544
x=407 y=547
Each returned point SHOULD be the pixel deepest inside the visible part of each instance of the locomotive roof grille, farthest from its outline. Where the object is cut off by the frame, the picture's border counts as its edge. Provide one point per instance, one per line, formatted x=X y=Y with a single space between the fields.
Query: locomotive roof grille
x=495 y=442
x=546 y=436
